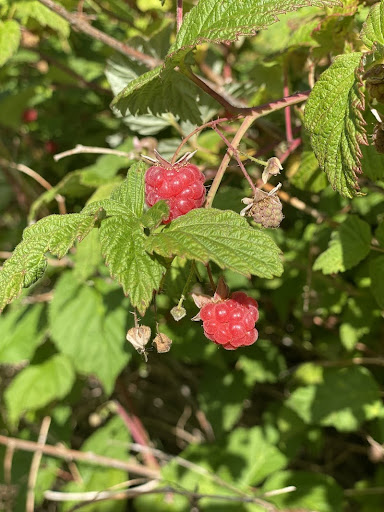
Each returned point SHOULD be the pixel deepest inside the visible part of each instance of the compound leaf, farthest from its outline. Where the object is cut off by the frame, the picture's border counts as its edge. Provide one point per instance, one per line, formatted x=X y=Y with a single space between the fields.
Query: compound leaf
x=215 y=21
x=348 y=246
x=220 y=236
x=56 y=234
x=334 y=120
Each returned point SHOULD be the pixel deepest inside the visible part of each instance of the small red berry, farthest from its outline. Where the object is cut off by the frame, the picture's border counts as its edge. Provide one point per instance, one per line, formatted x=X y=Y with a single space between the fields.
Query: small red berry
x=231 y=322
x=51 y=147
x=180 y=184
x=30 y=115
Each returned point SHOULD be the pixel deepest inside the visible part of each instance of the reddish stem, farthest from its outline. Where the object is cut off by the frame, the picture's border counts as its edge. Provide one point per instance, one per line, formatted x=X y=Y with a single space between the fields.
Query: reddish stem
x=138 y=433
x=179 y=14
x=236 y=155
x=294 y=145
x=287 y=110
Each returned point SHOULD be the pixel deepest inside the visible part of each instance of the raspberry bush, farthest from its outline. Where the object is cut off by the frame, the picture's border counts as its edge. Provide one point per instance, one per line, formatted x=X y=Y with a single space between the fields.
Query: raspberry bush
x=191 y=251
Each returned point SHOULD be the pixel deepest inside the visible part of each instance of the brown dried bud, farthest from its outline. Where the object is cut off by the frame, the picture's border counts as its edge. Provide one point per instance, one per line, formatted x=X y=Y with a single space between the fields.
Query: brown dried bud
x=378 y=137
x=162 y=342
x=375 y=82
x=139 y=337
x=272 y=168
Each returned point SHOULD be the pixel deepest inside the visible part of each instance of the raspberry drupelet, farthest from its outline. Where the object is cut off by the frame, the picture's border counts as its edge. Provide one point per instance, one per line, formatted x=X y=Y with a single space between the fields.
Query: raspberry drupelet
x=180 y=184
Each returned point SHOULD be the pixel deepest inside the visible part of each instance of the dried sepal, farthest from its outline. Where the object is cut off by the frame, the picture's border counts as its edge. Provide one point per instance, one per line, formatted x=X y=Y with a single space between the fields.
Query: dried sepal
x=265 y=208
x=162 y=343
x=272 y=168
x=139 y=337
x=221 y=293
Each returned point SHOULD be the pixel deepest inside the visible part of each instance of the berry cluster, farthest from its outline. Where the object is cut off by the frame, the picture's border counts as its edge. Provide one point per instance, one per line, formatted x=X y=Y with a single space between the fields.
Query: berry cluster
x=181 y=185
x=231 y=322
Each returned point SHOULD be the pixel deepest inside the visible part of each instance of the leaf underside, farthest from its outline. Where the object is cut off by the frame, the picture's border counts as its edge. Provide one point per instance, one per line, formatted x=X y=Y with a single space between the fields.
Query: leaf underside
x=333 y=117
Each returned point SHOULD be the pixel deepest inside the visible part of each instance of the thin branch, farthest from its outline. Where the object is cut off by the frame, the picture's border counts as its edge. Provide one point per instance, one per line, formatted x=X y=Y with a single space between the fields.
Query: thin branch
x=79 y=148
x=8 y=458
x=82 y=25
x=227 y=157
x=146 y=489
x=36 y=459
x=138 y=433
x=235 y=153
x=43 y=182
x=287 y=110
x=179 y=14
x=69 y=455
x=253 y=113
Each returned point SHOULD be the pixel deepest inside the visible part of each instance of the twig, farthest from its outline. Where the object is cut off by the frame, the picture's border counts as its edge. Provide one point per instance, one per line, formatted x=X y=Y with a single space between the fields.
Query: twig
x=30 y=501
x=138 y=433
x=43 y=182
x=287 y=110
x=82 y=25
x=179 y=14
x=79 y=148
x=8 y=458
x=69 y=455
x=235 y=153
x=225 y=161
x=291 y=148
x=146 y=489
x=253 y=113
x=210 y=277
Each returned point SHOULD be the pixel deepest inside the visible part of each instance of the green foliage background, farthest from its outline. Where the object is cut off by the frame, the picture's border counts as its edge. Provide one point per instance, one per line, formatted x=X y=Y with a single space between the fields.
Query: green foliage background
x=301 y=407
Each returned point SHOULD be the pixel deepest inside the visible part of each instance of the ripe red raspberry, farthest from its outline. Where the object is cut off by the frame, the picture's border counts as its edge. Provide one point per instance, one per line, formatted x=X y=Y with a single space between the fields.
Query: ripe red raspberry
x=231 y=322
x=180 y=184
x=30 y=115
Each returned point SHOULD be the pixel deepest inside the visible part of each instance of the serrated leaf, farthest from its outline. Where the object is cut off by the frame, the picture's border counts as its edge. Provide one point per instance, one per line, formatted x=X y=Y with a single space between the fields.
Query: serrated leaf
x=56 y=234
x=376 y=272
x=89 y=327
x=22 y=331
x=348 y=246
x=122 y=243
x=9 y=39
x=220 y=236
x=155 y=215
x=159 y=91
x=334 y=120
x=215 y=21
x=308 y=175
x=131 y=192
x=344 y=398
x=25 y=9
x=373 y=28
x=37 y=385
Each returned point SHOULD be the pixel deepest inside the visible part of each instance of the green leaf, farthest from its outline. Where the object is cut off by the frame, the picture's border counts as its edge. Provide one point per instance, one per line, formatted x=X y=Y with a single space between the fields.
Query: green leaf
x=162 y=90
x=348 y=246
x=265 y=364
x=220 y=236
x=214 y=21
x=123 y=246
x=155 y=215
x=343 y=398
x=333 y=117
x=309 y=176
x=56 y=234
x=38 y=385
x=25 y=9
x=88 y=326
x=22 y=331
x=372 y=163
x=131 y=192
x=88 y=256
x=379 y=233
x=314 y=491
x=356 y=320
x=376 y=272
x=9 y=39
x=373 y=28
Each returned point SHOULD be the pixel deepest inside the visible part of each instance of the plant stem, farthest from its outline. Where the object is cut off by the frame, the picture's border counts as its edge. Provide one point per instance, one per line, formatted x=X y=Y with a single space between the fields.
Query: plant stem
x=179 y=14
x=235 y=153
x=93 y=32
x=79 y=148
x=227 y=157
x=30 y=501
x=287 y=110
